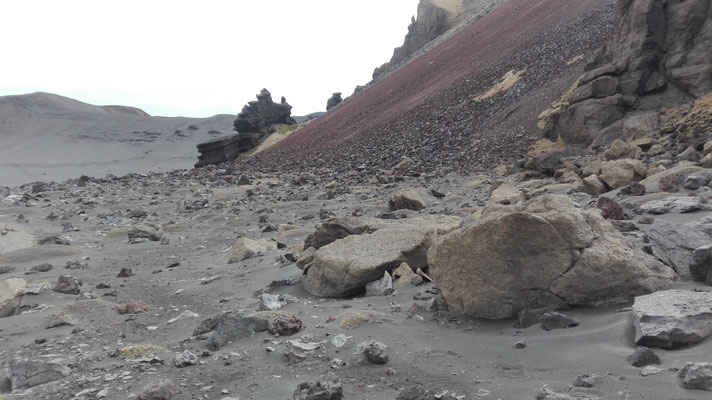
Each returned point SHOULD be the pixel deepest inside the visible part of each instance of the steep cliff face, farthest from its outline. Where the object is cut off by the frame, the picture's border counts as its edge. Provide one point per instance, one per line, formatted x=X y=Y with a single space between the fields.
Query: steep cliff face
x=432 y=21
x=658 y=59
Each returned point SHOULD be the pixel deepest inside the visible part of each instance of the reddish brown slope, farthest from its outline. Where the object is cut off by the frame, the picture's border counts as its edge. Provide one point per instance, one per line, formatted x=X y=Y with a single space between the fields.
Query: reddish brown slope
x=424 y=110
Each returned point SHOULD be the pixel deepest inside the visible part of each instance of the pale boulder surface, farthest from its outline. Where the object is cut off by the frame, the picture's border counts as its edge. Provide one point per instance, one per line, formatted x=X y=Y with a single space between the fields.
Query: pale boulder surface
x=545 y=254
x=344 y=266
x=247 y=248
x=11 y=292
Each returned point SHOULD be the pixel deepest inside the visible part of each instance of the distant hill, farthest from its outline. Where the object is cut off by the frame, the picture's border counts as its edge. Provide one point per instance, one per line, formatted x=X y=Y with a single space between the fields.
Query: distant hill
x=49 y=137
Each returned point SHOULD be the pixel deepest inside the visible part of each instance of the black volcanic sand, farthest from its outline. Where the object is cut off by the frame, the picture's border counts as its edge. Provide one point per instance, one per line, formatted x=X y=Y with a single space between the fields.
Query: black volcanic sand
x=438 y=350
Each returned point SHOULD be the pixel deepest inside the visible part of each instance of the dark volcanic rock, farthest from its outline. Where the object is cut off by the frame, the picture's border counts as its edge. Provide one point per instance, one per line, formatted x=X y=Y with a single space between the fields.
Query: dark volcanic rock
x=334 y=101
x=326 y=389
x=432 y=21
x=643 y=356
x=263 y=114
x=657 y=58
x=232 y=327
x=227 y=148
x=285 y=326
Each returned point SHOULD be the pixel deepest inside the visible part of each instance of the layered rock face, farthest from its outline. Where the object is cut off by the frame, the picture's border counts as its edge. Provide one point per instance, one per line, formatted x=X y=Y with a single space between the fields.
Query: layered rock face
x=544 y=253
x=658 y=59
x=253 y=124
x=431 y=22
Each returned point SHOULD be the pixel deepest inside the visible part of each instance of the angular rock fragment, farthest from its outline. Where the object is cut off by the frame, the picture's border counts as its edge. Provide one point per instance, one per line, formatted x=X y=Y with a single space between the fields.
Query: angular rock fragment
x=411 y=199
x=329 y=388
x=701 y=265
x=161 y=389
x=676 y=205
x=672 y=318
x=11 y=292
x=230 y=327
x=381 y=287
x=696 y=376
x=246 y=248
x=185 y=359
x=27 y=374
x=557 y=320
x=67 y=284
x=145 y=231
x=285 y=326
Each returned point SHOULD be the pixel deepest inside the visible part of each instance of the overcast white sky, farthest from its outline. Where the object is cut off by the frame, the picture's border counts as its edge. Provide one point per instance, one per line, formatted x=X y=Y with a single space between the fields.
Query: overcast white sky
x=197 y=58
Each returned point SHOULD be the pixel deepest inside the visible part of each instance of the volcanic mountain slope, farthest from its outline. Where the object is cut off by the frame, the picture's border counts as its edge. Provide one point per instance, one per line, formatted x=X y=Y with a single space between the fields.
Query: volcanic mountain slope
x=522 y=55
x=50 y=137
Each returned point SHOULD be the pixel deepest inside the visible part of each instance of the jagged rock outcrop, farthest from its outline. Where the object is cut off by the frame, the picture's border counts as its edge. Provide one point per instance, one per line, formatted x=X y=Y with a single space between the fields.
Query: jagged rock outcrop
x=263 y=114
x=253 y=124
x=657 y=60
x=431 y=22
x=544 y=253
x=333 y=101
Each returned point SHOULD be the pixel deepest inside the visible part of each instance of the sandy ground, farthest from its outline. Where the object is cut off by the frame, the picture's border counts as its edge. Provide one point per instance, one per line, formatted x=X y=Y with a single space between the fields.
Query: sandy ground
x=438 y=350
x=46 y=137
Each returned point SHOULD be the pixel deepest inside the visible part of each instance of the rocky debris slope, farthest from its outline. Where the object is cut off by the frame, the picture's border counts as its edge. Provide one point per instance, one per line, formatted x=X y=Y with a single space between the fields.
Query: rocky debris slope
x=442 y=109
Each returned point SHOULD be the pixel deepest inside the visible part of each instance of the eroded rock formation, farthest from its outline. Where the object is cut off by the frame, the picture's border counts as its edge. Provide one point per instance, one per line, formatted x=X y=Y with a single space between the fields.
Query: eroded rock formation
x=657 y=60
x=253 y=124
x=431 y=22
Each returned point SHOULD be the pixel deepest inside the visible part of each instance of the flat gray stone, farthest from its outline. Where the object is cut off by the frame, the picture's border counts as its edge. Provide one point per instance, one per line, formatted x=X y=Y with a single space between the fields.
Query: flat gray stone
x=672 y=318
x=27 y=374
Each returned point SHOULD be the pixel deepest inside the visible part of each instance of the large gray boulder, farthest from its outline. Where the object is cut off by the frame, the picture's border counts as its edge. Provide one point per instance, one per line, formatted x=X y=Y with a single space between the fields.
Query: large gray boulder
x=696 y=376
x=543 y=254
x=672 y=318
x=674 y=244
x=344 y=267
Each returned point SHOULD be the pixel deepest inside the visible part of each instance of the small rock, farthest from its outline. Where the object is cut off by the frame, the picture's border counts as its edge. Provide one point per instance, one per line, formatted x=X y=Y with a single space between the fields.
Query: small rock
x=125 y=273
x=695 y=182
x=650 y=370
x=587 y=381
x=133 y=307
x=161 y=389
x=53 y=240
x=61 y=319
x=46 y=267
x=415 y=393
x=185 y=359
x=341 y=340
x=642 y=357
x=285 y=326
x=145 y=231
x=558 y=320
x=374 y=352
x=329 y=388
x=184 y=315
x=610 y=209
x=381 y=287
x=67 y=284
x=230 y=327
x=406 y=276
x=520 y=344
x=633 y=189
